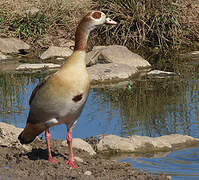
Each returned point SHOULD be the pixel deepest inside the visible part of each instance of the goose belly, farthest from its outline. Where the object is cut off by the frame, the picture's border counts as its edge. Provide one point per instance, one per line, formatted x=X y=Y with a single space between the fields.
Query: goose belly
x=57 y=110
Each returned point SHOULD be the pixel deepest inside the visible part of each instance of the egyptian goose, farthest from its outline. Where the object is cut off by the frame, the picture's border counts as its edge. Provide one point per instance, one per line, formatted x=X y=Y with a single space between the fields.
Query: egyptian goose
x=60 y=98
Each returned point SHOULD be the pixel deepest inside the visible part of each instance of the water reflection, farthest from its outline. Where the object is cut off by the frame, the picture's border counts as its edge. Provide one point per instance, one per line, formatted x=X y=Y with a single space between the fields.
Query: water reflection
x=182 y=164
x=151 y=108
x=156 y=108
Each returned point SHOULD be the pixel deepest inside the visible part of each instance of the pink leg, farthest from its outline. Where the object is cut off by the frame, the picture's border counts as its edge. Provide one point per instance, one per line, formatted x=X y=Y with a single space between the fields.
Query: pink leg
x=71 y=157
x=47 y=135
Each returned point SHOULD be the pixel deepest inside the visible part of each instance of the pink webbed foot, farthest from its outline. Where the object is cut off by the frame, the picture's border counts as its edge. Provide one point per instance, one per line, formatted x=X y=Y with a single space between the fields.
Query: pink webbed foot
x=71 y=163
x=52 y=160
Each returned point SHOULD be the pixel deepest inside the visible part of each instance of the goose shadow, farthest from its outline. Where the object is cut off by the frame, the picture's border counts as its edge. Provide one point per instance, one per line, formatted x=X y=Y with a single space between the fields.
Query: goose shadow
x=40 y=154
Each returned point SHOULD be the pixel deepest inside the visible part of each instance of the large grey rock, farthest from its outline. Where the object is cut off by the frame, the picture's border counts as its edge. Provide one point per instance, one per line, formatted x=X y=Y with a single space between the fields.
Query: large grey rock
x=37 y=66
x=145 y=144
x=12 y=45
x=81 y=144
x=110 y=72
x=54 y=51
x=8 y=136
x=122 y=55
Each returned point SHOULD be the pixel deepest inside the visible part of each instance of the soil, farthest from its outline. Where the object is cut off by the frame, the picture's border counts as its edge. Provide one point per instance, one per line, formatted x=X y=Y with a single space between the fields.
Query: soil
x=18 y=164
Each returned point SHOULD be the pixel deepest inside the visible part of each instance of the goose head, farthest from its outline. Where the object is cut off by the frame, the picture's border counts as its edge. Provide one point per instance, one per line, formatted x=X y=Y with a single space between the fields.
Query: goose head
x=87 y=24
x=96 y=18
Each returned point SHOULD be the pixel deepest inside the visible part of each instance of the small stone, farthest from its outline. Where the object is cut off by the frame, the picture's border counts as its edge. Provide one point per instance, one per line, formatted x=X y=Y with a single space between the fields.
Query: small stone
x=78 y=159
x=27 y=147
x=2 y=56
x=88 y=173
x=37 y=66
x=98 y=47
x=160 y=74
x=191 y=55
x=59 y=58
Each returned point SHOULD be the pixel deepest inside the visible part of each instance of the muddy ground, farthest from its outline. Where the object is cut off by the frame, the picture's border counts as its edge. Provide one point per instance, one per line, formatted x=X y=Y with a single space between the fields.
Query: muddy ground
x=18 y=164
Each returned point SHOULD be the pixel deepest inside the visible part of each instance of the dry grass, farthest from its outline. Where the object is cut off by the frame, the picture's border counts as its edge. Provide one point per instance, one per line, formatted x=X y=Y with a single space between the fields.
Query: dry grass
x=143 y=24
x=159 y=24
x=55 y=19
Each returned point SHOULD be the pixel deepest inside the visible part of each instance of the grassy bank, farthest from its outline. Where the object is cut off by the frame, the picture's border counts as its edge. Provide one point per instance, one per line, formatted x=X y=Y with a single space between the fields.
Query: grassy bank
x=151 y=25
x=55 y=19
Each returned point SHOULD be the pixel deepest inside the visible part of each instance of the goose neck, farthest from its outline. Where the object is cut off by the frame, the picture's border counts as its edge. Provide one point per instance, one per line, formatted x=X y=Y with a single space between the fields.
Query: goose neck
x=81 y=37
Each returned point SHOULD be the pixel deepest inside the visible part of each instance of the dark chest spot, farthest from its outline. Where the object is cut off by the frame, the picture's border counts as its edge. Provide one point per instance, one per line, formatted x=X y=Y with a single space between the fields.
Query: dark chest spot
x=77 y=98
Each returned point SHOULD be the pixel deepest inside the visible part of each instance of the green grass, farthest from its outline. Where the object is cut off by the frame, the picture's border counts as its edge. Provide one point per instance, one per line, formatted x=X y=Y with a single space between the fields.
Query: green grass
x=29 y=26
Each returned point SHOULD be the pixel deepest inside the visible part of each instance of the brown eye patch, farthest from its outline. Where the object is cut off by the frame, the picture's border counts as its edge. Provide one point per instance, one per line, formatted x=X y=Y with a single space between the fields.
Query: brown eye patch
x=97 y=15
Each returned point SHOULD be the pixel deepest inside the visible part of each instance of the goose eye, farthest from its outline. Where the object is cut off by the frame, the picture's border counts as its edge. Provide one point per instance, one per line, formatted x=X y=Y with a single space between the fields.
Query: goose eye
x=97 y=15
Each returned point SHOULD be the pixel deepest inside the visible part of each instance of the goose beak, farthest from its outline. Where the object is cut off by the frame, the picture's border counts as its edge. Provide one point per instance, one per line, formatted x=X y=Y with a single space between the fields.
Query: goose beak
x=110 y=21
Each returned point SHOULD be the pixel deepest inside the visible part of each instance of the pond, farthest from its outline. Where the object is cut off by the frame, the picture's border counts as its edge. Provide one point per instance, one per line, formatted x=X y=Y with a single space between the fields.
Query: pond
x=151 y=108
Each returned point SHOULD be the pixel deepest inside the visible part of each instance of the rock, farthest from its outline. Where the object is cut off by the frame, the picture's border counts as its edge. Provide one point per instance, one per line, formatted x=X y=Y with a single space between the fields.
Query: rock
x=160 y=74
x=192 y=55
x=54 y=51
x=178 y=140
x=37 y=66
x=116 y=143
x=2 y=56
x=9 y=132
x=149 y=144
x=81 y=144
x=92 y=57
x=78 y=159
x=12 y=45
x=121 y=54
x=66 y=43
x=9 y=66
x=145 y=144
x=9 y=135
x=98 y=47
x=110 y=72
x=88 y=173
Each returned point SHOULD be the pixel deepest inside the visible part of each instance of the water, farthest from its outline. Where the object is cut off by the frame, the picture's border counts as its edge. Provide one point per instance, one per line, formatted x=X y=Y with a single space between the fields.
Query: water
x=151 y=108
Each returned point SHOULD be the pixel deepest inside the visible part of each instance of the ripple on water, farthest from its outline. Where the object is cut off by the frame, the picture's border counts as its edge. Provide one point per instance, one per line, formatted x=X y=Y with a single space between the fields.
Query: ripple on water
x=179 y=164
